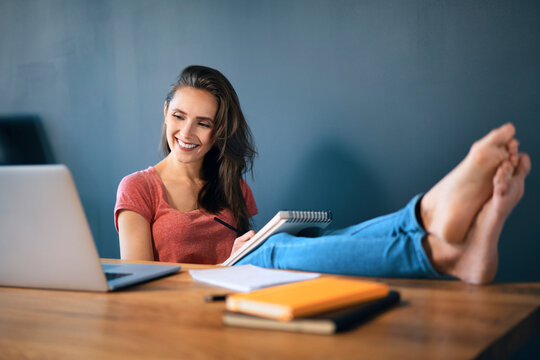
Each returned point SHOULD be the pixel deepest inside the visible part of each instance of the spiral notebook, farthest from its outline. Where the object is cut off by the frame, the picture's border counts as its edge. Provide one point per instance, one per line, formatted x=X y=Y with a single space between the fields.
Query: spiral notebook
x=291 y=222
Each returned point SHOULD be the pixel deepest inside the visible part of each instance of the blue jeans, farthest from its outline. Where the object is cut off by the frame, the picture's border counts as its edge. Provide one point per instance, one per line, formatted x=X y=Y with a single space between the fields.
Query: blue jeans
x=387 y=246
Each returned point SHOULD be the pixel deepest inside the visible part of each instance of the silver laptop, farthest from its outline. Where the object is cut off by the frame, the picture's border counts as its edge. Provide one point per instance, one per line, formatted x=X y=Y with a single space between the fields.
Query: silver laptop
x=45 y=240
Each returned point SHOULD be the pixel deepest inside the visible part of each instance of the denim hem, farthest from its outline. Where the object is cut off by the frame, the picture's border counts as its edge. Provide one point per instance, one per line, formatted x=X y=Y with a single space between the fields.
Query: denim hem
x=420 y=234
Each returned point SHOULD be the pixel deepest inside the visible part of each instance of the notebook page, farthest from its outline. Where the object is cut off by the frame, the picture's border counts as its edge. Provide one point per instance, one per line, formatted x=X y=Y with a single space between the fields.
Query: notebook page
x=245 y=278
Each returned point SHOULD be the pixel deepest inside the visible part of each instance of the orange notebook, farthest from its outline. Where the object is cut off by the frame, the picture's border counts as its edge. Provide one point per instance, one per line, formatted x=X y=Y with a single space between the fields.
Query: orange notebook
x=305 y=298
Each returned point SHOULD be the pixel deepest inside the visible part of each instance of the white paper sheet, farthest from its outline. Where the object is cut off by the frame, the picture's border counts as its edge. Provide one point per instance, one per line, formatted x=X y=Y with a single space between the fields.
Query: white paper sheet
x=245 y=278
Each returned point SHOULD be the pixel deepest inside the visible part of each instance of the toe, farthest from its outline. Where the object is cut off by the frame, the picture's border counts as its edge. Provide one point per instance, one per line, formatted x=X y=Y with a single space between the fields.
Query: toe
x=524 y=165
x=513 y=146
x=514 y=159
x=502 y=178
x=508 y=170
x=513 y=150
x=499 y=182
x=501 y=135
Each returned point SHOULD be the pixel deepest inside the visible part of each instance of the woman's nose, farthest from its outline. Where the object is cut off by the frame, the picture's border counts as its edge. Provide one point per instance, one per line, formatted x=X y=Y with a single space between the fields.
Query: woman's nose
x=187 y=129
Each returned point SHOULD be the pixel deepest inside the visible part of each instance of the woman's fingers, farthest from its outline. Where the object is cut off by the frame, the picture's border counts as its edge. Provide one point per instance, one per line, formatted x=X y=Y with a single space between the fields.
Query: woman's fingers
x=242 y=240
x=246 y=236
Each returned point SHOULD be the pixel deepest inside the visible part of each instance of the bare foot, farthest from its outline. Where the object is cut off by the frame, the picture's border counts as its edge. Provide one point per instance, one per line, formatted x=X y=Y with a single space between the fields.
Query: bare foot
x=449 y=208
x=476 y=259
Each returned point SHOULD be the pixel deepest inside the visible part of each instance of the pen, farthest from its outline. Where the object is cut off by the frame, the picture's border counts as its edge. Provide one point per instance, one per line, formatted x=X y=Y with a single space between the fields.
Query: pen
x=210 y=298
x=227 y=225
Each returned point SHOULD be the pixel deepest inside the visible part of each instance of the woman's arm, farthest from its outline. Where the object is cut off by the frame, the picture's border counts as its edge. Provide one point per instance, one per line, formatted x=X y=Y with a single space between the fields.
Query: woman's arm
x=135 y=236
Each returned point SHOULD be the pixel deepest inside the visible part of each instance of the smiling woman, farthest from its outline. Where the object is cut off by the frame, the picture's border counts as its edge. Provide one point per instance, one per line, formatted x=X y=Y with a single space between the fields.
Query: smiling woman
x=166 y=212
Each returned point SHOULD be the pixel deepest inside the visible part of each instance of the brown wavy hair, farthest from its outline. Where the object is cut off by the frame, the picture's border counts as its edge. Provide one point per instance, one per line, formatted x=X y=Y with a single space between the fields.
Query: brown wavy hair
x=233 y=151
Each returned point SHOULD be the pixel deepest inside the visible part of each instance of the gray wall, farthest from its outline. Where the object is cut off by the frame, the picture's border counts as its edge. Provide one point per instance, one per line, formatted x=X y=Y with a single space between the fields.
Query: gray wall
x=355 y=105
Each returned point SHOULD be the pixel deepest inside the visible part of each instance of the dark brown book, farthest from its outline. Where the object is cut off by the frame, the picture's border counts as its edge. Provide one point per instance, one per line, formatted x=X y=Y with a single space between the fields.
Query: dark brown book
x=326 y=323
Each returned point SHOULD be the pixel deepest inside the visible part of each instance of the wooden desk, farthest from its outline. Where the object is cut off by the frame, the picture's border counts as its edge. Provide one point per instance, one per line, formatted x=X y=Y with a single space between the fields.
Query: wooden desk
x=168 y=319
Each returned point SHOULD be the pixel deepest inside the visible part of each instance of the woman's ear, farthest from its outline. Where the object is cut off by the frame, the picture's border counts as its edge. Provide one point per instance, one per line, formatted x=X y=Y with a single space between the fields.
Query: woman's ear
x=164 y=109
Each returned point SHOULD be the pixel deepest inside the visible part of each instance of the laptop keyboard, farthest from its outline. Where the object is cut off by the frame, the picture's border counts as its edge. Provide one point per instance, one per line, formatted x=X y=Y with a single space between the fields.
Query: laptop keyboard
x=112 y=276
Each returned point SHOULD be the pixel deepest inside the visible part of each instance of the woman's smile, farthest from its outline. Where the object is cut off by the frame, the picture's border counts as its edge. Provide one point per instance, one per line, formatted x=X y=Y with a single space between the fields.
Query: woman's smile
x=186 y=146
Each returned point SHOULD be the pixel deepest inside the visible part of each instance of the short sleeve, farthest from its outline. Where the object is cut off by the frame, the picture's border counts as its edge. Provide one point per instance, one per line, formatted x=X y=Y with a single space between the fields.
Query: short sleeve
x=135 y=193
x=248 y=197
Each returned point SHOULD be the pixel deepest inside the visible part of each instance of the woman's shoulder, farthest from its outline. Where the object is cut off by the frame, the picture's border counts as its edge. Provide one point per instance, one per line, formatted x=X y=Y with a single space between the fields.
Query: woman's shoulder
x=143 y=180
x=137 y=192
x=244 y=186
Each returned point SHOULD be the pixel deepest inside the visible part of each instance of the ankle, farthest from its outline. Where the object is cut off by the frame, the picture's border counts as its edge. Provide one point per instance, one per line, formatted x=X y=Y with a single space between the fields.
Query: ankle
x=442 y=256
x=424 y=212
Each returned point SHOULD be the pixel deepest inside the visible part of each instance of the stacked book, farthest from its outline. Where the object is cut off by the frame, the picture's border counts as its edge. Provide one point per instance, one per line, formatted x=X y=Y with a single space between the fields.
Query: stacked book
x=324 y=305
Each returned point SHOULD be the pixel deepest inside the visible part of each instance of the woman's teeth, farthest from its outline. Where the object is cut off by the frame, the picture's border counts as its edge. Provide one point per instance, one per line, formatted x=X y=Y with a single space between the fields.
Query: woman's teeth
x=184 y=145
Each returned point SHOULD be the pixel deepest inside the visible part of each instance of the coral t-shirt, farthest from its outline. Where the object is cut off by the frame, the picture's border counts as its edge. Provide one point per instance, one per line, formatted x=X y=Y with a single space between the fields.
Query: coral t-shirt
x=188 y=237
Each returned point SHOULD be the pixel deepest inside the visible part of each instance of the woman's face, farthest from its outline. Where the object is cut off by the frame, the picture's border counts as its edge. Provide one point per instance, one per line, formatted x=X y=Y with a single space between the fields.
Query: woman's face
x=189 y=121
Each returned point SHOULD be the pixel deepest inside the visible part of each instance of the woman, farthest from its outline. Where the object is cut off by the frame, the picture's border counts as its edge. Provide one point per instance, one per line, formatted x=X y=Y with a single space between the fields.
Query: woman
x=167 y=212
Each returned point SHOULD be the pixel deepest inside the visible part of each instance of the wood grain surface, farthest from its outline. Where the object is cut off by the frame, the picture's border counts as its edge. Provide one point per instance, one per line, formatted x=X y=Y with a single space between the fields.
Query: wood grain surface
x=168 y=319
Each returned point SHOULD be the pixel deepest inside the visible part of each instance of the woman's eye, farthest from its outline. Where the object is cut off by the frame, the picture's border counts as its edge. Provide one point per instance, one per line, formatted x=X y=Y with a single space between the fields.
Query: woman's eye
x=204 y=125
x=178 y=116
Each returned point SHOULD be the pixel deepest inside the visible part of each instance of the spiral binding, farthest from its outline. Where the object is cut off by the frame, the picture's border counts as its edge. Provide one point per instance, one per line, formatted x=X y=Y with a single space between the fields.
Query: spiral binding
x=308 y=216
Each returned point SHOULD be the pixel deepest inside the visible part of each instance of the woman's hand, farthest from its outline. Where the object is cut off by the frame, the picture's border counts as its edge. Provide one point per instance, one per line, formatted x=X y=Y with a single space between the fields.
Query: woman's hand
x=240 y=241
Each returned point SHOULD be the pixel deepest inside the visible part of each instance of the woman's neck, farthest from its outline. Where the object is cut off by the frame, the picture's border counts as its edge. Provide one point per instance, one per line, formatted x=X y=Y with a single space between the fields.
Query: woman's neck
x=172 y=170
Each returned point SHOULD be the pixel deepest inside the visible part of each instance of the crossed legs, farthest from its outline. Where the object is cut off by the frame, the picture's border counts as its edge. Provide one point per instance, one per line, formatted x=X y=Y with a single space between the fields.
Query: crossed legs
x=463 y=215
